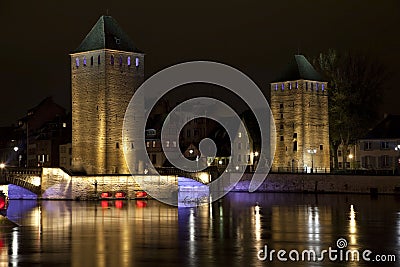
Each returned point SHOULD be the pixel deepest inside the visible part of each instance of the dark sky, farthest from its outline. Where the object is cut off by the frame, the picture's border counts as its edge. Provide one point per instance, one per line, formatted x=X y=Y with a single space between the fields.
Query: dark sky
x=257 y=37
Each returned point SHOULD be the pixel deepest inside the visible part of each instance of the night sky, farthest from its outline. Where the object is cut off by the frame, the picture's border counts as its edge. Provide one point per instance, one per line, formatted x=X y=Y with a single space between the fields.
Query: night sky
x=257 y=37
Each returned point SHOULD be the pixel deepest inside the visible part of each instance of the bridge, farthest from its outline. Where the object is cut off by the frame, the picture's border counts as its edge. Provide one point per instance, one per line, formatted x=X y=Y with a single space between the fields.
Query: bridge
x=28 y=178
x=56 y=183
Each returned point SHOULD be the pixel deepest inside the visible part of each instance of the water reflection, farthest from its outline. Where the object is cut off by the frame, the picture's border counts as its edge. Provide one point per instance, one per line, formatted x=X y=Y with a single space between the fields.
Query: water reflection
x=228 y=232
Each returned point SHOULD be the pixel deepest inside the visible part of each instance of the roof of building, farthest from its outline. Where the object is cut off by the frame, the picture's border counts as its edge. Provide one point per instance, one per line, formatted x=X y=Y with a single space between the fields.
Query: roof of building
x=388 y=128
x=107 y=34
x=299 y=68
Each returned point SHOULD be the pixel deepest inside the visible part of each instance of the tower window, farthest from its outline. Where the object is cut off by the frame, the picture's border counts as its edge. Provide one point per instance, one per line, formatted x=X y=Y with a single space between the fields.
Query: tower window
x=316 y=86
x=281 y=115
x=120 y=60
x=276 y=87
x=91 y=60
x=77 y=62
x=297 y=85
x=283 y=86
x=295 y=146
x=281 y=127
x=98 y=59
x=84 y=61
x=323 y=87
x=129 y=61
x=281 y=138
x=137 y=62
x=117 y=145
x=321 y=147
x=281 y=106
x=311 y=85
x=290 y=86
x=112 y=60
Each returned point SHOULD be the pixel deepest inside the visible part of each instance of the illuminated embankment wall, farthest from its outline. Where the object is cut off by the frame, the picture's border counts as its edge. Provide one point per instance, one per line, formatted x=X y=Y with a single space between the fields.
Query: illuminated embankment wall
x=324 y=183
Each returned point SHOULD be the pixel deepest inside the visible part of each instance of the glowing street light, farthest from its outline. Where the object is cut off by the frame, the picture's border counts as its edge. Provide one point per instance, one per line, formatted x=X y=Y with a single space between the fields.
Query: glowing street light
x=15 y=148
x=256 y=154
x=312 y=152
x=2 y=165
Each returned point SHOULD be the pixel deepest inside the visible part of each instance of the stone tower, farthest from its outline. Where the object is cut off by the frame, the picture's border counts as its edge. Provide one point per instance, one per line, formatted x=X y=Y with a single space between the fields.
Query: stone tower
x=106 y=70
x=299 y=103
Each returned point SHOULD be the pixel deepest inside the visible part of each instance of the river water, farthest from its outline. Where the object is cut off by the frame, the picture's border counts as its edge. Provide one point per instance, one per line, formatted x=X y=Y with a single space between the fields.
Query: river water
x=234 y=231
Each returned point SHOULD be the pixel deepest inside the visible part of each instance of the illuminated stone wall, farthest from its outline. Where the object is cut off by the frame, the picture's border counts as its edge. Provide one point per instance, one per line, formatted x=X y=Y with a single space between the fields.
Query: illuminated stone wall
x=324 y=183
x=300 y=110
x=100 y=95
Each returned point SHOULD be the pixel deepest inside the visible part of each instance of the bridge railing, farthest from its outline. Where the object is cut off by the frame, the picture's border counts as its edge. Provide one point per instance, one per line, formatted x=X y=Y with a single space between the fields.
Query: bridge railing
x=17 y=170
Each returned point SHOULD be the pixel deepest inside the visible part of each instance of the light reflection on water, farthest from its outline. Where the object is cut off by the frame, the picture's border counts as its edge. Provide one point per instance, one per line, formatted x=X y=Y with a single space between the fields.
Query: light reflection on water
x=229 y=232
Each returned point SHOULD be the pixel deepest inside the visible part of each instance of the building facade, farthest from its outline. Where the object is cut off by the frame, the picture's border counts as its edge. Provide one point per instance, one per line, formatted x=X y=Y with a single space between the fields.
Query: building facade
x=299 y=104
x=106 y=71
x=377 y=150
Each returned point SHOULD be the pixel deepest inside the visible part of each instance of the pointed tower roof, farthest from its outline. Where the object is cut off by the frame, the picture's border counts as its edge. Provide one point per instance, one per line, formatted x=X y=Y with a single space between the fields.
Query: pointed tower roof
x=300 y=68
x=107 y=34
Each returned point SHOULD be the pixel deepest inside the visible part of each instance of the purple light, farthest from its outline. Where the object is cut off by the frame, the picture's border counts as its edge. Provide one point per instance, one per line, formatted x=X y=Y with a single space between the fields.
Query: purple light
x=84 y=61
x=290 y=86
x=129 y=61
x=77 y=62
x=323 y=87
x=137 y=62
x=120 y=60
x=283 y=86
x=316 y=86
x=112 y=60
x=276 y=87
x=297 y=85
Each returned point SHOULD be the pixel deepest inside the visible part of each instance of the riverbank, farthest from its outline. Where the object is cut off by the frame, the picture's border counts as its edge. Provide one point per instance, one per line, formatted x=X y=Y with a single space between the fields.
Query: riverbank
x=323 y=183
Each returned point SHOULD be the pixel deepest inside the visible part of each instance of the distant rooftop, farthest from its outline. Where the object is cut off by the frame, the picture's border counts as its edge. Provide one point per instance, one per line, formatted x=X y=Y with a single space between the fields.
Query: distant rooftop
x=388 y=128
x=299 y=68
x=107 y=34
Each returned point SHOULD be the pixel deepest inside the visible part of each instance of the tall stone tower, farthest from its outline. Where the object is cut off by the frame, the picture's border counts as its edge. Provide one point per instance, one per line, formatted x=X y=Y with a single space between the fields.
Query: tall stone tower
x=106 y=70
x=299 y=103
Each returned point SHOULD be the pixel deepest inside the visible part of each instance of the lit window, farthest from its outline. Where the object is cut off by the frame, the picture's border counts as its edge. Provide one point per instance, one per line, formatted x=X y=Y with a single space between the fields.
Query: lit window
x=120 y=60
x=316 y=86
x=276 y=87
x=297 y=85
x=64 y=125
x=112 y=60
x=137 y=62
x=240 y=135
x=77 y=62
x=154 y=143
x=147 y=144
x=323 y=87
x=283 y=86
x=290 y=86
x=84 y=61
x=167 y=143
x=129 y=61
x=174 y=143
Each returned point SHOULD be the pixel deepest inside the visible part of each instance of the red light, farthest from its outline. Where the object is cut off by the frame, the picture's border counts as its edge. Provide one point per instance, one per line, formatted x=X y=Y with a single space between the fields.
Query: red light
x=119 y=204
x=141 y=194
x=141 y=203
x=2 y=202
x=105 y=195
x=120 y=195
x=104 y=204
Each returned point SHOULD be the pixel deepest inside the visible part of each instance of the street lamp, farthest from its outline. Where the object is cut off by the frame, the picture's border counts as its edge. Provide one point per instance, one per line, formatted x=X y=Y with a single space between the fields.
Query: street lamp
x=2 y=165
x=312 y=152
x=397 y=148
x=351 y=161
